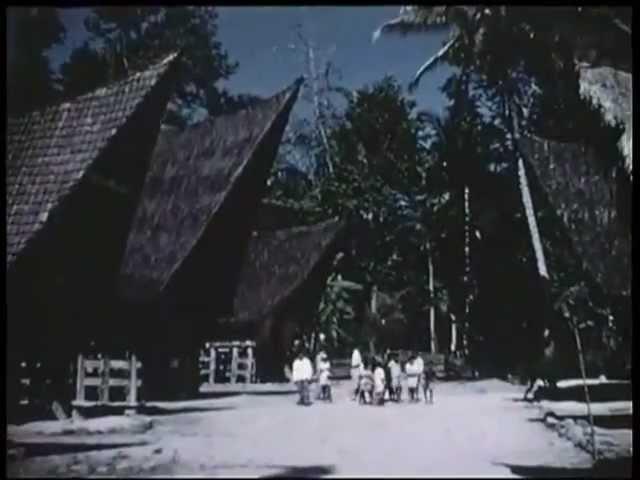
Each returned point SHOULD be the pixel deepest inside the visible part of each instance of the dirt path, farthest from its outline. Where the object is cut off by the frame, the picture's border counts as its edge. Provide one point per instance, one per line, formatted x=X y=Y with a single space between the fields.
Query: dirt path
x=472 y=429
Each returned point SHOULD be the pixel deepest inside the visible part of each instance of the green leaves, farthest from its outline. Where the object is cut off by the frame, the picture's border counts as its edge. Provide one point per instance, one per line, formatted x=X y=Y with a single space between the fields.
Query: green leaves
x=30 y=81
x=125 y=39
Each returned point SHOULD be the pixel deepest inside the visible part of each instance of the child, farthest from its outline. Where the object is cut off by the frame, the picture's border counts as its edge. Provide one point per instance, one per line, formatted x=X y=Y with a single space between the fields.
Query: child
x=365 y=387
x=301 y=376
x=412 y=372
x=378 y=383
x=324 y=367
x=395 y=373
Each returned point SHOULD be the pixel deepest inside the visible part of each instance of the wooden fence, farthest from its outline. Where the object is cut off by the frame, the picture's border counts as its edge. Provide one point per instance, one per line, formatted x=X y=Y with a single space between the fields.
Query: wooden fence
x=228 y=362
x=107 y=381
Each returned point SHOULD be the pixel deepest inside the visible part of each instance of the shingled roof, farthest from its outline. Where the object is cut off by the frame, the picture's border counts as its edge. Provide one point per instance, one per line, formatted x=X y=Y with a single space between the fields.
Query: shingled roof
x=50 y=151
x=588 y=205
x=278 y=263
x=191 y=174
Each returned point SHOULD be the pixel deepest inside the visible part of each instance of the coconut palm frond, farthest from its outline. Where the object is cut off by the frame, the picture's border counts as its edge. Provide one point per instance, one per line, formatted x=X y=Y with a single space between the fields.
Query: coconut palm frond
x=405 y=26
x=432 y=62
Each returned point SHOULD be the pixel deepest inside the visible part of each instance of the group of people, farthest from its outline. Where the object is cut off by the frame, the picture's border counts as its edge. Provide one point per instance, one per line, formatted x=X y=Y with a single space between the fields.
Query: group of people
x=377 y=380
x=303 y=374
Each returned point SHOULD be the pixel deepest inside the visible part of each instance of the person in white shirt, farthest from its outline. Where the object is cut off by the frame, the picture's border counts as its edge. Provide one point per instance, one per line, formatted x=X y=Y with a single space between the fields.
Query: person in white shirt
x=324 y=370
x=420 y=368
x=411 y=370
x=365 y=388
x=395 y=372
x=378 y=383
x=301 y=376
x=356 y=370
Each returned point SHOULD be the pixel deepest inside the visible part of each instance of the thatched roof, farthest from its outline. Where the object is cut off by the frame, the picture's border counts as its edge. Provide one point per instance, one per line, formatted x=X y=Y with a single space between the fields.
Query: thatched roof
x=49 y=152
x=278 y=263
x=588 y=204
x=191 y=175
x=611 y=89
x=276 y=215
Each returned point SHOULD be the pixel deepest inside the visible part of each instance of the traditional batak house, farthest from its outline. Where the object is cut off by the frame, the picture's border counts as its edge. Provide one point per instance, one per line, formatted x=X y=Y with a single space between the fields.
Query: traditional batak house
x=280 y=285
x=74 y=173
x=140 y=239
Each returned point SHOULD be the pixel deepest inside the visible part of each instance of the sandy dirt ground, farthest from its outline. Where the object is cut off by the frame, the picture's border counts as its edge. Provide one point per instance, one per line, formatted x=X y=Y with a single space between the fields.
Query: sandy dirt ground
x=472 y=429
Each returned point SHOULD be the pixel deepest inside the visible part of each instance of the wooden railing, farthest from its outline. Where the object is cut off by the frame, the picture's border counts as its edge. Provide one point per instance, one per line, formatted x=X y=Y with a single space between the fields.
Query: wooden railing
x=109 y=375
x=241 y=365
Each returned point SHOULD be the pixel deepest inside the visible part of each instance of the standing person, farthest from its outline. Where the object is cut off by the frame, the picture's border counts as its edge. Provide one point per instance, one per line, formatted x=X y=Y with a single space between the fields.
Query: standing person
x=411 y=370
x=420 y=368
x=316 y=365
x=356 y=370
x=324 y=369
x=365 y=387
x=395 y=373
x=378 y=383
x=427 y=384
x=301 y=376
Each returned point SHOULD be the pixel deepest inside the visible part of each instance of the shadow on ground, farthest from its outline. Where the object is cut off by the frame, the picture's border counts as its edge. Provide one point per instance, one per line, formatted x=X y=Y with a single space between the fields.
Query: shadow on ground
x=620 y=468
x=313 y=471
x=44 y=449
x=153 y=410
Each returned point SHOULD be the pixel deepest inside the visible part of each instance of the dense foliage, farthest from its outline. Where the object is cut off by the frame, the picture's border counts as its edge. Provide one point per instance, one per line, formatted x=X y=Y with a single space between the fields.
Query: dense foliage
x=30 y=79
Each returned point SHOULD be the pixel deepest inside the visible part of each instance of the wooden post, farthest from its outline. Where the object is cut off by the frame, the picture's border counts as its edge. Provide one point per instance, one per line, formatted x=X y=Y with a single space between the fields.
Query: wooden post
x=583 y=371
x=234 y=363
x=212 y=365
x=133 y=381
x=252 y=365
x=80 y=379
x=104 y=387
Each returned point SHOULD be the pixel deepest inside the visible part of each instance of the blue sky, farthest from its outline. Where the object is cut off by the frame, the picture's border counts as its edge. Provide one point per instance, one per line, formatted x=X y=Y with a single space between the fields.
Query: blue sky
x=258 y=38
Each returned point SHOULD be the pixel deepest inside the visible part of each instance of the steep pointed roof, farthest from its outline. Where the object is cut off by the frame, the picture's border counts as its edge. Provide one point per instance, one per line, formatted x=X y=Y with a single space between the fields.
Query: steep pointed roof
x=278 y=263
x=50 y=151
x=191 y=175
x=588 y=204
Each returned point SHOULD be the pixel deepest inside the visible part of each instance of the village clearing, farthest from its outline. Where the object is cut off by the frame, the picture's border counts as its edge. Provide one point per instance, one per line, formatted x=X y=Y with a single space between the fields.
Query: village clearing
x=473 y=429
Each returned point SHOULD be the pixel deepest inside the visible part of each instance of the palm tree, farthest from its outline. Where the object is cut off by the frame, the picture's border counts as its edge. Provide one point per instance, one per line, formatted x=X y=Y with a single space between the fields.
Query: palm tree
x=468 y=27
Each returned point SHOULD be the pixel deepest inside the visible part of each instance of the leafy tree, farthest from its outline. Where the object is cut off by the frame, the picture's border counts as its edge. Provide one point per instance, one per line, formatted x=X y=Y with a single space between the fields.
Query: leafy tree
x=30 y=81
x=125 y=39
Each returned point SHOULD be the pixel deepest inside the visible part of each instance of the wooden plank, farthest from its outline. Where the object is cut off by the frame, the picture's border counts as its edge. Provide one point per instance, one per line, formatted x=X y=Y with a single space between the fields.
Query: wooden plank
x=91 y=365
x=234 y=365
x=119 y=364
x=93 y=381
x=104 y=387
x=96 y=403
x=133 y=381
x=58 y=411
x=212 y=366
x=80 y=381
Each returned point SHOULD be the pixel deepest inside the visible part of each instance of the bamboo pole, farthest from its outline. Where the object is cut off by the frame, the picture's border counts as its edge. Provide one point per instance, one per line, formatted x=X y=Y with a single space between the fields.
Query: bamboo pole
x=583 y=372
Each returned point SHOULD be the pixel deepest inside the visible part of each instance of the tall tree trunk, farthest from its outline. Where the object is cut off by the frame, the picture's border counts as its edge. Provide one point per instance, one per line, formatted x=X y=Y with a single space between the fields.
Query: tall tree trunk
x=432 y=309
x=453 y=346
x=374 y=313
x=527 y=200
x=467 y=268
x=317 y=104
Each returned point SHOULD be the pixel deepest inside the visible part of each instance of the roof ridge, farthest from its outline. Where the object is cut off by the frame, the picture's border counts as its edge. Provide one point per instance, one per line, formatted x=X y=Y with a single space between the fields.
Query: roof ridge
x=234 y=176
x=67 y=103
